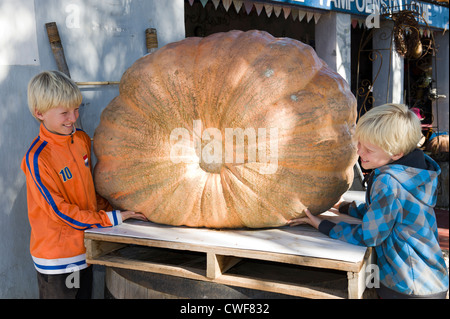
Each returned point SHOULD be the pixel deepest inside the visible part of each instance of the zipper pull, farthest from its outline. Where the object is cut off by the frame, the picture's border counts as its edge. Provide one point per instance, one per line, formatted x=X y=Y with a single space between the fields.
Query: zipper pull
x=73 y=132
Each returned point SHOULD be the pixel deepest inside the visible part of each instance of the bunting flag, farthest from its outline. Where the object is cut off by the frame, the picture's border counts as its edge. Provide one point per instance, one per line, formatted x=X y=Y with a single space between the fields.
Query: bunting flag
x=226 y=4
x=237 y=5
x=301 y=15
x=295 y=13
x=286 y=11
x=259 y=7
x=269 y=9
x=277 y=10
x=248 y=5
x=216 y=3
x=317 y=17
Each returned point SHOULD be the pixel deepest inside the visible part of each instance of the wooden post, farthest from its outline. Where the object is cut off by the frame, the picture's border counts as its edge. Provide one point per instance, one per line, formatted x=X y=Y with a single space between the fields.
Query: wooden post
x=151 y=40
x=216 y=265
x=57 y=48
x=357 y=280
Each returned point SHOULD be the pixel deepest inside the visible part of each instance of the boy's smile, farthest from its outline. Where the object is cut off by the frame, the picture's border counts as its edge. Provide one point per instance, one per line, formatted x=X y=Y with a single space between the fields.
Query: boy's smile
x=373 y=156
x=59 y=120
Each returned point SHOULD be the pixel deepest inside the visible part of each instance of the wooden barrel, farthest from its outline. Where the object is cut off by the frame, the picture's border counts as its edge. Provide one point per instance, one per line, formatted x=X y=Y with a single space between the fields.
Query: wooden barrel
x=133 y=284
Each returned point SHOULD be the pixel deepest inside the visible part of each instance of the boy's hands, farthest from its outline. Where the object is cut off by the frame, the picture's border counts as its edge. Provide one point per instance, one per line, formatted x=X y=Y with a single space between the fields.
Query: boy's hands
x=310 y=219
x=130 y=214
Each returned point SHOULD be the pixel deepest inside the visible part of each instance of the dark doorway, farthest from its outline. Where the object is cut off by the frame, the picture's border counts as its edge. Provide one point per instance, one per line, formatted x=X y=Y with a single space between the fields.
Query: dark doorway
x=202 y=21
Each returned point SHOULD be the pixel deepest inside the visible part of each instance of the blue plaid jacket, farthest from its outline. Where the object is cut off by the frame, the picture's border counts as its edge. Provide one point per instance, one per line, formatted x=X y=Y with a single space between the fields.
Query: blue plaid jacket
x=398 y=220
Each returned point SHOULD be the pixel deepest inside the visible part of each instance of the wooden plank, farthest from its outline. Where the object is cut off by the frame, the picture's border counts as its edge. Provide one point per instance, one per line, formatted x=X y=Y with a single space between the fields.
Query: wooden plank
x=253 y=254
x=120 y=262
x=271 y=285
x=293 y=241
x=95 y=248
x=191 y=255
x=276 y=286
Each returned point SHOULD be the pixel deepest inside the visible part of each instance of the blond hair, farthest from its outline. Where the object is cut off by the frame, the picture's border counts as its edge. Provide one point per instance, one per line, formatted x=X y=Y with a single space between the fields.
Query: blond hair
x=51 y=89
x=392 y=127
x=438 y=144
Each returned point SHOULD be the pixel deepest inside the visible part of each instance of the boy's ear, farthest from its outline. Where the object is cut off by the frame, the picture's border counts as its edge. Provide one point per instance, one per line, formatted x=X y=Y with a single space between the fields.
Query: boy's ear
x=38 y=115
x=397 y=157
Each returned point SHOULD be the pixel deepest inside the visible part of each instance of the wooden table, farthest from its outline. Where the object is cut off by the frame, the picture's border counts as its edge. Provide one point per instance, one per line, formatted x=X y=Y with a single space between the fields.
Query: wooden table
x=124 y=247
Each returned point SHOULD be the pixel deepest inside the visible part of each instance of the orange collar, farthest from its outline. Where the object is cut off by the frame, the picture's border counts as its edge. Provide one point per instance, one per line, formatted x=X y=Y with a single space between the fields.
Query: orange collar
x=54 y=138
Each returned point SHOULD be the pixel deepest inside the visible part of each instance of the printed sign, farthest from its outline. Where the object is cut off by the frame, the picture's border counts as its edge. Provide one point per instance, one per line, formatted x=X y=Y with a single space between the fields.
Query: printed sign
x=435 y=15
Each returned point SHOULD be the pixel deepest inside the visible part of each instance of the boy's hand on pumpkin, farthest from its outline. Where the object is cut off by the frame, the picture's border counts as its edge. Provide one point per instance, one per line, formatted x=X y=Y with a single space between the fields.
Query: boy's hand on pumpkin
x=133 y=215
x=310 y=219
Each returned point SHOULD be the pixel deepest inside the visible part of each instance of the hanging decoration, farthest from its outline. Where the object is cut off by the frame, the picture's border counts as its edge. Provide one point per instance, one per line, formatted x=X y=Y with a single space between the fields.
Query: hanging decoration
x=407 y=35
x=258 y=7
x=288 y=11
x=269 y=9
x=248 y=6
x=237 y=5
x=216 y=3
x=226 y=4
x=301 y=15
x=277 y=10
x=294 y=14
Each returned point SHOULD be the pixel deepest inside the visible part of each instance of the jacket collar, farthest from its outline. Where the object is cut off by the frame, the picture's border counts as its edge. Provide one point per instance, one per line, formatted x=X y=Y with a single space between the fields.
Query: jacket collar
x=54 y=138
x=413 y=171
x=414 y=159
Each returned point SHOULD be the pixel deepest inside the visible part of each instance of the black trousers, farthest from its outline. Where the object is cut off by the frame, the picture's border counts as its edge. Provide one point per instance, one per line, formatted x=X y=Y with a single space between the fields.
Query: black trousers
x=76 y=285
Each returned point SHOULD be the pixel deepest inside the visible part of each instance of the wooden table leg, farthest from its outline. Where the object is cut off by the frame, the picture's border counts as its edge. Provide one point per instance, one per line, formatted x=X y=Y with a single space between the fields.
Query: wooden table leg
x=218 y=264
x=357 y=280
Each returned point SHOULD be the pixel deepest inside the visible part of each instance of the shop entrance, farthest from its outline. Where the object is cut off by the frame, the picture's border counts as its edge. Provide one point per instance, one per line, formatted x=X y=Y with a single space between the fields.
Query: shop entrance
x=203 y=21
x=362 y=56
x=418 y=85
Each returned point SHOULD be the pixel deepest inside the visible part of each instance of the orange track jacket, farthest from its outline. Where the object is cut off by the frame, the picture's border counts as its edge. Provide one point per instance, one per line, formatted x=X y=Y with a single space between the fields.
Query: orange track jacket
x=62 y=201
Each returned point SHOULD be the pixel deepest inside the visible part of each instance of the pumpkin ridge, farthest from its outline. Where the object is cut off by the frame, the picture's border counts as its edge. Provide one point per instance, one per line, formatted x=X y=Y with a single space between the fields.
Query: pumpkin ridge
x=222 y=106
x=248 y=185
x=173 y=207
x=198 y=75
x=269 y=103
x=162 y=108
x=232 y=213
x=279 y=187
x=157 y=74
x=209 y=194
x=248 y=196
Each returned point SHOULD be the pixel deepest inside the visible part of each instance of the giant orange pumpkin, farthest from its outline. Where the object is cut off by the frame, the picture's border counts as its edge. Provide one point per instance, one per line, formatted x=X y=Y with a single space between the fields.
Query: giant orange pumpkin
x=237 y=129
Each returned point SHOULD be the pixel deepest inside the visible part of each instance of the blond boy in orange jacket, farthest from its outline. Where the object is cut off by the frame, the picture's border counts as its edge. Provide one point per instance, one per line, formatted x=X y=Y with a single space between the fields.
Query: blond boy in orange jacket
x=61 y=197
